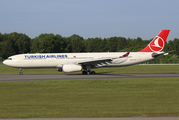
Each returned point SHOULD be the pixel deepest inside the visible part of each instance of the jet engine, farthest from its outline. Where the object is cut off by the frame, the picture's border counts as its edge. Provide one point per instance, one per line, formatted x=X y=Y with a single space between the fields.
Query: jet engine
x=71 y=68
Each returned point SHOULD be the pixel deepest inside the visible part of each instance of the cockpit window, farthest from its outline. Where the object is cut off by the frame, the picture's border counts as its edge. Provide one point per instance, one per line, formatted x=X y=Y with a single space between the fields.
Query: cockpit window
x=9 y=58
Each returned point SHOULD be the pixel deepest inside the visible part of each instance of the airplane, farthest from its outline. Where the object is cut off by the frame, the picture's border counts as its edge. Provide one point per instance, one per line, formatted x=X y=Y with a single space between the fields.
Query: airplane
x=73 y=62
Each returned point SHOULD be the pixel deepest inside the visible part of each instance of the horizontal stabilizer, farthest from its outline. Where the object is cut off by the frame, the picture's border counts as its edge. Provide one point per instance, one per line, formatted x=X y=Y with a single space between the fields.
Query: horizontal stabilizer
x=155 y=55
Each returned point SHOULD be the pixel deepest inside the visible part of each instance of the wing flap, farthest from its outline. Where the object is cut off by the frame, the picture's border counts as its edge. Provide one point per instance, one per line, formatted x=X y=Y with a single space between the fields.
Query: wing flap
x=95 y=61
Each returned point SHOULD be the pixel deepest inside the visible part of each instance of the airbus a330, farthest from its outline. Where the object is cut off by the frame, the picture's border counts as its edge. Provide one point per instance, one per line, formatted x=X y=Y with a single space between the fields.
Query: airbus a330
x=72 y=62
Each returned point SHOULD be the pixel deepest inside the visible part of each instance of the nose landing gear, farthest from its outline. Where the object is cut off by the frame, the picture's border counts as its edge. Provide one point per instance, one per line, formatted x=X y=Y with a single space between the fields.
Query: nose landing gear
x=20 y=73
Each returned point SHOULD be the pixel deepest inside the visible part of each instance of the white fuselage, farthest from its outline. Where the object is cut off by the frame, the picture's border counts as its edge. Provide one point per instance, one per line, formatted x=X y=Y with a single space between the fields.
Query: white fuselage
x=56 y=60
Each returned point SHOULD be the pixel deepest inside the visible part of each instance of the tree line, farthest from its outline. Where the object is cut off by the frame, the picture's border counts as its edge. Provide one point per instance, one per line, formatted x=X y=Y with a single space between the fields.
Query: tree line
x=18 y=43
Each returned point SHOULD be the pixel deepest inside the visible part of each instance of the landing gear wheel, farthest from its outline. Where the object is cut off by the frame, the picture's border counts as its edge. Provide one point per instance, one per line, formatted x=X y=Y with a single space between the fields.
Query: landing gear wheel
x=20 y=73
x=84 y=72
x=93 y=72
x=88 y=72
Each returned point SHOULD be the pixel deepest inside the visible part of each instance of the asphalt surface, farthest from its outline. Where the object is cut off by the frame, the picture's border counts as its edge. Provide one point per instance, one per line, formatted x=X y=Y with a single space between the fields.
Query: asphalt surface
x=62 y=76
x=120 y=118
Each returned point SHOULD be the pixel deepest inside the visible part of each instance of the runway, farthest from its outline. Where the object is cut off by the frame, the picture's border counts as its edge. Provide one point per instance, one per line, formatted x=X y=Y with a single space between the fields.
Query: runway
x=117 y=118
x=63 y=76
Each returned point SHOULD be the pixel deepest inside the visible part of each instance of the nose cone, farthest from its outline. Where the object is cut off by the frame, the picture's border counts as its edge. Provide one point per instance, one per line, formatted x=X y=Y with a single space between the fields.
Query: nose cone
x=8 y=63
x=4 y=62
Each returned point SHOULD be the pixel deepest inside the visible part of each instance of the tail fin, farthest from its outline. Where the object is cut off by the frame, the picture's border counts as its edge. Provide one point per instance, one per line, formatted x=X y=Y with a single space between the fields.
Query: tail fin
x=158 y=43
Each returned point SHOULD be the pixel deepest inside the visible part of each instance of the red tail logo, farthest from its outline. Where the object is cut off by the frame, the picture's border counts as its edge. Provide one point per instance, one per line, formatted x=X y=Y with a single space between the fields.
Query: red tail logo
x=157 y=43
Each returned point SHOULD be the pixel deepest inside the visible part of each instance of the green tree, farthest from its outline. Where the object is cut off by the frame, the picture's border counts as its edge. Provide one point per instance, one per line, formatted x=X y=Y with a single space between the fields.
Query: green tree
x=35 y=45
x=50 y=43
x=8 y=47
x=23 y=43
x=76 y=43
x=112 y=44
x=104 y=45
x=89 y=45
x=1 y=45
x=176 y=45
x=122 y=43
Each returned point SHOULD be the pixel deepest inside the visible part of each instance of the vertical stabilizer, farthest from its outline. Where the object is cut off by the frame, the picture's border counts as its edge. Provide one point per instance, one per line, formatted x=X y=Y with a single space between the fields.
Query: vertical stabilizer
x=158 y=43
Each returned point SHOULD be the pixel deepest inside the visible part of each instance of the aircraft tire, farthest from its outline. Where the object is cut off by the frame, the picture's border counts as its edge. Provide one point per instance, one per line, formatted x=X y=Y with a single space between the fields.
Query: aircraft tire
x=93 y=72
x=84 y=72
x=88 y=73
x=20 y=73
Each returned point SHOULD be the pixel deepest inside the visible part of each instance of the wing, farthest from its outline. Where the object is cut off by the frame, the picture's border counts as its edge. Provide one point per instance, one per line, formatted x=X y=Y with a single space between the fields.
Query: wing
x=103 y=60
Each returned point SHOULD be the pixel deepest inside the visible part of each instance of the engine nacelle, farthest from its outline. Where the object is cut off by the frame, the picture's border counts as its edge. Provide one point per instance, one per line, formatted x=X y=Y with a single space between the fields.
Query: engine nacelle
x=71 y=68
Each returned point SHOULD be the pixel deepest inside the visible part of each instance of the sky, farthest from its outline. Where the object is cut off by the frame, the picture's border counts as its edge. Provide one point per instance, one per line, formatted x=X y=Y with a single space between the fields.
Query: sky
x=90 y=18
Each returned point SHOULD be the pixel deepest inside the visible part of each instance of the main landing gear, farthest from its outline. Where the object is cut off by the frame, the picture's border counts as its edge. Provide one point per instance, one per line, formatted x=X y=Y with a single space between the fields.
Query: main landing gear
x=20 y=73
x=87 y=70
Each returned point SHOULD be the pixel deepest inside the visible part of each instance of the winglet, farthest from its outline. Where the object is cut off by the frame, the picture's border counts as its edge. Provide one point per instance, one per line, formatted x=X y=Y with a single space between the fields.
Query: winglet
x=158 y=43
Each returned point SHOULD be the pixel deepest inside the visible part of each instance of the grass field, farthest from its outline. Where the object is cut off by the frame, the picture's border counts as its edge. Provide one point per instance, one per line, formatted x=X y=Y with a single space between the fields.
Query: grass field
x=90 y=98
x=128 y=69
